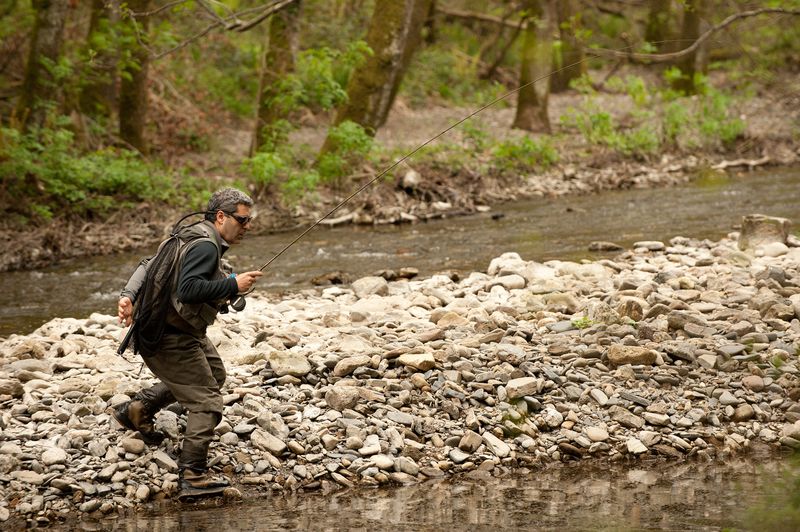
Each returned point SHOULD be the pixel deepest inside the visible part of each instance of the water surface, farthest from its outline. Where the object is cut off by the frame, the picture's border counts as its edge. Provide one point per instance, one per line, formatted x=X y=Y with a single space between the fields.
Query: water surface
x=636 y=495
x=538 y=229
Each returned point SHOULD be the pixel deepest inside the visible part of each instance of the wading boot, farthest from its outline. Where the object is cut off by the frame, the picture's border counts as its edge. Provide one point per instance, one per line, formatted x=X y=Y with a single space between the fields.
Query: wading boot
x=196 y=484
x=135 y=415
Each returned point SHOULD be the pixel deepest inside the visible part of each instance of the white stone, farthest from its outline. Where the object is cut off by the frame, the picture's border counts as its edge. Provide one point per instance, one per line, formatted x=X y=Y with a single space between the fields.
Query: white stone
x=596 y=434
x=497 y=446
x=420 y=361
x=635 y=446
x=54 y=456
x=517 y=388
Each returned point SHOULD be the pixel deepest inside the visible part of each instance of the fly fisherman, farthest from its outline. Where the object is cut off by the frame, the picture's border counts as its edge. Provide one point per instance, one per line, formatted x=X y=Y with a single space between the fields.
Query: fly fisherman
x=179 y=297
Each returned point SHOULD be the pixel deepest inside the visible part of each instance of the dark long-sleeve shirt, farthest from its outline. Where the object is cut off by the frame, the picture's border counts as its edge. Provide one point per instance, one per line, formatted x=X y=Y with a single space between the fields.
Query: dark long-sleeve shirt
x=195 y=284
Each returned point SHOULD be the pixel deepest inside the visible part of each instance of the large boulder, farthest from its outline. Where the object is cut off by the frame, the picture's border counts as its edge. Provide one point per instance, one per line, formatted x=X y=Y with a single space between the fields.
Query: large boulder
x=759 y=230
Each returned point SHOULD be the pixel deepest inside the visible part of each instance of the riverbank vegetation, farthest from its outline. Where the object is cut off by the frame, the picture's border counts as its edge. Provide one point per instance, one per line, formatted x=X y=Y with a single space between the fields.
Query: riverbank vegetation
x=109 y=106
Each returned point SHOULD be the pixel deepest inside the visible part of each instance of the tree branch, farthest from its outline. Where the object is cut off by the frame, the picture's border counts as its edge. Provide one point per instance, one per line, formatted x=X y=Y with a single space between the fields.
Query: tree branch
x=271 y=10
x=160 y=9
x=231 y=23
x=480 y=17
x=664 y=58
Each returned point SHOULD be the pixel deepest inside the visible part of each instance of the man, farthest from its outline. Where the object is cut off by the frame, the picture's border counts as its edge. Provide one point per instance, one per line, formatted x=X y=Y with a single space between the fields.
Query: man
x=184 y=359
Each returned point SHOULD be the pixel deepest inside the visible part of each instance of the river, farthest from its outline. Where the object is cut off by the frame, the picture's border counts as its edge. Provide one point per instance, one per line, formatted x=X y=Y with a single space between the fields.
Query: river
x=642 y=495
x=538 y=229
x=574 y=496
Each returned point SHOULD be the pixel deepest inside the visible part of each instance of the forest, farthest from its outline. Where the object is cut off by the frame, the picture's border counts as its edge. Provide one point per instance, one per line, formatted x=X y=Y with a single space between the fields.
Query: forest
x=115 y=111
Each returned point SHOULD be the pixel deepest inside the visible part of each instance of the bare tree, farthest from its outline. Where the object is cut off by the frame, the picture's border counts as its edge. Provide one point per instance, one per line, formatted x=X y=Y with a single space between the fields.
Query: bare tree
x=39 y=86
x=279 y=60
x=133 y=86
x=537 y=53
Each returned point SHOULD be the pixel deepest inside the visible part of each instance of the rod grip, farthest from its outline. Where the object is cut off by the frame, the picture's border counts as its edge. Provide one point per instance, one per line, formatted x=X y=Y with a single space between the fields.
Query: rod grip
x=126 y=341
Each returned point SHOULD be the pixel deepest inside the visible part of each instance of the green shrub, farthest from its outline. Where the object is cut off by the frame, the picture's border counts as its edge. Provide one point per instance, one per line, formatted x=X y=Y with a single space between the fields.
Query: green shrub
x=716 y=125
x=43 y=175
x=475 y=135
x=525 y=153
x=448 y=71
x=679 y=121
x=320 y=78
x=350 y=145
x=265 y=169
x=299 y=184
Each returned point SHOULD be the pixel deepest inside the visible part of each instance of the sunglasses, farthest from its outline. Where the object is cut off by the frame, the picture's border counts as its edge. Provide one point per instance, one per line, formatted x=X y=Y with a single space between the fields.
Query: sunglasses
x=243 y=220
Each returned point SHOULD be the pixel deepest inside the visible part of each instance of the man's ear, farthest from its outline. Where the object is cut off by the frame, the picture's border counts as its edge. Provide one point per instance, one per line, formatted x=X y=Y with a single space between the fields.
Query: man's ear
x=220 y=217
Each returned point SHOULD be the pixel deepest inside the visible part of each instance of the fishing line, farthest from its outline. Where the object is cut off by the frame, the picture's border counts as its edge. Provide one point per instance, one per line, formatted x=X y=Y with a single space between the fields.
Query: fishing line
x=429 y=141
x=414 y=151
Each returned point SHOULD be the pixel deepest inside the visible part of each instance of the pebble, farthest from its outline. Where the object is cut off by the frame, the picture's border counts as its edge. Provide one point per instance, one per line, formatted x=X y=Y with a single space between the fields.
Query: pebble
x=54 y=456
x=402 y=381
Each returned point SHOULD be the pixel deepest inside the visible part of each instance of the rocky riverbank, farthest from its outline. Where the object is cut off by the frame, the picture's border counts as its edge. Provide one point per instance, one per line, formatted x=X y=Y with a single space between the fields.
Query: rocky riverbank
x=681 y=349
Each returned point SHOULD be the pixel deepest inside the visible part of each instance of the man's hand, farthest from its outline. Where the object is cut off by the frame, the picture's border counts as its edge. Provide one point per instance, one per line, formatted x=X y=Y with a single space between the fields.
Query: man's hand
x=125 y=310
x=245 y=281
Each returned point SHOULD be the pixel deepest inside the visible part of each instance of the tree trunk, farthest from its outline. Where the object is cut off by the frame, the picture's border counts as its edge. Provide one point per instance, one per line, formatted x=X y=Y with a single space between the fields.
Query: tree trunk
x=537 y=53
x=570 y=65
x=279 y=60
x=690 y=31
x=133 y=86
x=39 y=87
x=99 y=96
x=657 y=29
x=430 y=24
x=393 y=35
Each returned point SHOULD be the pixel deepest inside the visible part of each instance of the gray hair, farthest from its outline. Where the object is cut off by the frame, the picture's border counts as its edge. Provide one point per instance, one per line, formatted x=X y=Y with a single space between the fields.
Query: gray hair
x=226 y=200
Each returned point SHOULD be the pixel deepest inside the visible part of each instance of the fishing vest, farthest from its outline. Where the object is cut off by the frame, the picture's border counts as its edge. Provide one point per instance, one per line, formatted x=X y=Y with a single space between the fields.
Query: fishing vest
x=194 y=318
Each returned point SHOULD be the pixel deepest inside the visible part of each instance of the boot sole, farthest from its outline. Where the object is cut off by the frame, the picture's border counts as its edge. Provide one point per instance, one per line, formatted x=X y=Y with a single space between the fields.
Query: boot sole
x=190 y=494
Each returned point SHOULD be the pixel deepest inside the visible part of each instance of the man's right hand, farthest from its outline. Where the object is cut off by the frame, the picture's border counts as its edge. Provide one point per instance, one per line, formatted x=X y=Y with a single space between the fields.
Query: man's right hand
x=246 y=280
x=125 y=310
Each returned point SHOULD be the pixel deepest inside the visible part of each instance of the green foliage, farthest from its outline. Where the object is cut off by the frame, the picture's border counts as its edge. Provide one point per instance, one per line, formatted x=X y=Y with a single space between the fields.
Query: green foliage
x=448 y=72
x=634 y=86
x=584 y=322
x=583 y=84
x=265 y=168
x=279 y=165
x=43 y=175
x=660 y=118
x=230 y=79
x=475 y=135
x=320 y=78
x=715 y=122
x=676 y=118
x=350 y=145
x=525 y=153
x=599 y=127
x=299 y=184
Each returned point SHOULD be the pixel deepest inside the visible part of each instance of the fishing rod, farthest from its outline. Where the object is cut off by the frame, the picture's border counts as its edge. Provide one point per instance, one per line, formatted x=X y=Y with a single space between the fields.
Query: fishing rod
x=239 y=301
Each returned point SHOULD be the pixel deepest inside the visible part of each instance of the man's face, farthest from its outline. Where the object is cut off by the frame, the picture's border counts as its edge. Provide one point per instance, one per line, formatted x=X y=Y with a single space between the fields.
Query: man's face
x=230 y=226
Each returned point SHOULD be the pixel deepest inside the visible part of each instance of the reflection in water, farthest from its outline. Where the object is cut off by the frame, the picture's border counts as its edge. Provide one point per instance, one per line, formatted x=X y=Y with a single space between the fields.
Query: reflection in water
x=540 y=230
x=574 y=496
